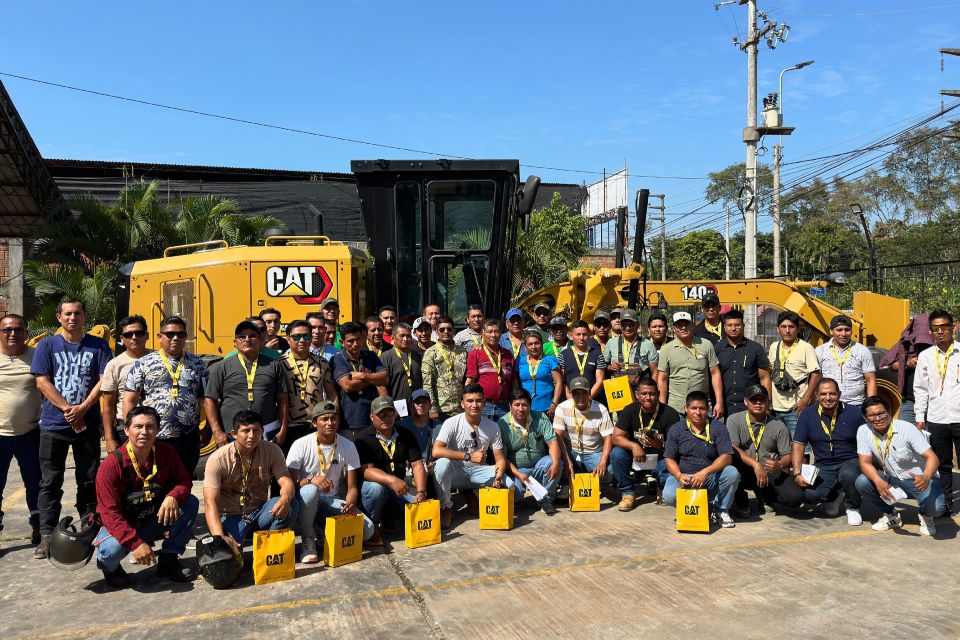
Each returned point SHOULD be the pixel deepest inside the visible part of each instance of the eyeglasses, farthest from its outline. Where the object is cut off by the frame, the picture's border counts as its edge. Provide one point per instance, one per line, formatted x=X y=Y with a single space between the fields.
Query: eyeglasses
x=129 y=335
x=756 y=400
x=444 y=329
x=248 y=336
x=873 y=417
x=300 y=337
x=541 y=312
x=170 y=335
x=941 y=328
x=13 y=330
x=601 y=325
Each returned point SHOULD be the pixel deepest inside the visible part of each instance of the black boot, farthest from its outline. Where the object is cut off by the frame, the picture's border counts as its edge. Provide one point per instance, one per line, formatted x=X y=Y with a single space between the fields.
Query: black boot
x=116 y=579
x=169 y=567
x=35 y=535
x=43 y=549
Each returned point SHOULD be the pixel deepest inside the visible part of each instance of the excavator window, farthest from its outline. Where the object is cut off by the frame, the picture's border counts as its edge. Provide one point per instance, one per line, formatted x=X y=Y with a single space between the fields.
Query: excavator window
x=461 y=214
x=458 y=282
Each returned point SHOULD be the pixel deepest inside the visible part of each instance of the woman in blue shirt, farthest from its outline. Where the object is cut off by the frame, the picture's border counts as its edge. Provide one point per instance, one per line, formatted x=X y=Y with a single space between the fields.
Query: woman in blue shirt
x=540 y=375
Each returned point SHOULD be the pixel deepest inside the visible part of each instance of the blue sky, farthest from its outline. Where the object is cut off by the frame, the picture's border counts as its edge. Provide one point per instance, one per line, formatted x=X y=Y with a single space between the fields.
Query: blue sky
x=558 y=84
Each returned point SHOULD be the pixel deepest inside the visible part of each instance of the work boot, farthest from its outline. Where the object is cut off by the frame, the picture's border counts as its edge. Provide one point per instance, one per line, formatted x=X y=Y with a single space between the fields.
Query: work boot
x=43 y=549
x=169 y=567
x=376 y=540
x=626 y=502
x=473 y=502
x=446 y=517
x=548 y=508
x=835 y=506
x=116 y=579
x=35 y=535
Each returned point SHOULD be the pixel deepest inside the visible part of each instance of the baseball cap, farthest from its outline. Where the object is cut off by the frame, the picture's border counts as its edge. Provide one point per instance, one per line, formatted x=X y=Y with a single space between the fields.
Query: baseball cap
x=602 y=314
x=543 y=304
x=513 y=312
x=382 y=403
x=420 y=321
x=679 y=316
x=629 y=315
x=558 y=321
x=323 y=408
x=326 y=303
x=616 y=312
x=580 y=383
x=419 y=393
x=841 y=320
x=710 y=298
x=755 y=390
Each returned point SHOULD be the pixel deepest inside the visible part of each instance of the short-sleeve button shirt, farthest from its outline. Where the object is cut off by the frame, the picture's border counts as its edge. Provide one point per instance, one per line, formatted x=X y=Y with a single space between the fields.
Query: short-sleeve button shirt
x=687 y=369
x=856 y=360
x=178 y=415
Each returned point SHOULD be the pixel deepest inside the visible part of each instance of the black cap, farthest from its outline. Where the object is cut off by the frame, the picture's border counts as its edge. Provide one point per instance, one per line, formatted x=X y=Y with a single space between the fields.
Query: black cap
x=558 y=321
x=755 y=390
x=841 y=320
x=709 y=298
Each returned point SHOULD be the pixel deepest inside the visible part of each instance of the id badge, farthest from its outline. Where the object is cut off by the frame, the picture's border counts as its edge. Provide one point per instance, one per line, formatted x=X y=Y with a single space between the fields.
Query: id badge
x=578 y=458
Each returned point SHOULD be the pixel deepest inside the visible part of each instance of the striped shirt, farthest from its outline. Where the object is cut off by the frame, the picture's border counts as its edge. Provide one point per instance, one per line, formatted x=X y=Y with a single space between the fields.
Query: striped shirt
x=584 y=432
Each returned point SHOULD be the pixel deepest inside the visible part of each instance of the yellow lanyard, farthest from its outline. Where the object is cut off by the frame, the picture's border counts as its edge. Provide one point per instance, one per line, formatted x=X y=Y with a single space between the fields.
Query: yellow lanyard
x=581 y=364
x=251 y=373
x=356 y=365
x=579 y=426
x=755 y=439
x=497 y=365
x=326 y=463
x=884 y=452
x=174 y=374
x=378 y=351
x=515 y=346
x=147 y=494
x=785 y=354
x=833 y=424
x=715 y=330
x=705 y=438
x=244 y=479
x=840 y=362
x=389 y=446
x=534 y=368
x=300 y=374
x=942 y=366
x=653 y=418
x=523 y=434
x=625 y=349
x=447 y=360
x=406 y=367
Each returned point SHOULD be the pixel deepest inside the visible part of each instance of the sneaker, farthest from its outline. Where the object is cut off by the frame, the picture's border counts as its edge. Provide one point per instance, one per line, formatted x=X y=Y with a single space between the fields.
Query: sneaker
x=854 y=519
x=835 y=506
x=887 y=522
x=742 y=512
x=170 y=567
x=726 y=521
x=308 y=553
x=43 y=548
x=927 y=528
x=548 y=508
x=446 y=518
x=35 y=535
x=116 y=579
x=626 y=502
x=563 y=492
x=652 y=486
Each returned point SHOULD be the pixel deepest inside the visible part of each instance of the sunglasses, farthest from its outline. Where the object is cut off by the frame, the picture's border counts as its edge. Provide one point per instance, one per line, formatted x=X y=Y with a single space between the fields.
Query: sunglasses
x=13 y=330
x=541 y=312
x=170 y=335
x=129 y=335
x=444 y=329
x=300 y=337
x=247 y=336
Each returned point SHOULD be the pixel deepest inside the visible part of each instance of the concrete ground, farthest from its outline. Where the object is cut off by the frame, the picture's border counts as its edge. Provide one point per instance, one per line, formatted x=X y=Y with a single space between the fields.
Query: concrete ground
x=573 y=575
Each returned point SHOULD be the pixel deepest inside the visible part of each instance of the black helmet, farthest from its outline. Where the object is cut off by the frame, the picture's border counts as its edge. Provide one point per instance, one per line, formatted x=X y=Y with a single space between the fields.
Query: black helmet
x=220 y=562
x=71 y=549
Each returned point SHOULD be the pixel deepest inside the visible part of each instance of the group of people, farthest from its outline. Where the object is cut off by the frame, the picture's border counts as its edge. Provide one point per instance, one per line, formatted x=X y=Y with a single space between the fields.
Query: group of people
x=327 y=418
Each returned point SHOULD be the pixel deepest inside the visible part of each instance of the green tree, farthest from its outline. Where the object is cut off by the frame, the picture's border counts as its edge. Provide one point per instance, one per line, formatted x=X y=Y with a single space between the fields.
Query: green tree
x=696 y=256
x=552 y=245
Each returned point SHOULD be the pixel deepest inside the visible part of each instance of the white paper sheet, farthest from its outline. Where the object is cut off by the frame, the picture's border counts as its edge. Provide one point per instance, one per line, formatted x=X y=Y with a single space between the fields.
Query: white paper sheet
x=897 y=493
x=401 y=407
x=649 y=463
x=809 y=473
x=537 y=489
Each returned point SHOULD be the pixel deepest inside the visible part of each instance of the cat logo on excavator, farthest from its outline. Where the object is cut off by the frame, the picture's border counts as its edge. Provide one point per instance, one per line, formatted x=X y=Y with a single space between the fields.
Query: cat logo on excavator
x=307 y=285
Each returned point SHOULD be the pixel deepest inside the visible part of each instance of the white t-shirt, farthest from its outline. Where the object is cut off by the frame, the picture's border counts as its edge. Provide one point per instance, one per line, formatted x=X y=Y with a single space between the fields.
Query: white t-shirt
x=303 y=456
x=457 y=434
x=587 y=430
x=19 y=397
x=907 y=446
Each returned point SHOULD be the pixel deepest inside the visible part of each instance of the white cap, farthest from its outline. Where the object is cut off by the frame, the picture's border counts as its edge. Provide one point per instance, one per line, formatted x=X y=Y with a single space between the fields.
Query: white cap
x=681 y=315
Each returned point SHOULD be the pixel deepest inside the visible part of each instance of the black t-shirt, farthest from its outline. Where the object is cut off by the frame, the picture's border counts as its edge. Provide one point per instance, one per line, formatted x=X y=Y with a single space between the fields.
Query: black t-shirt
x=701 y=331
x=372 y=451
x=634 y=420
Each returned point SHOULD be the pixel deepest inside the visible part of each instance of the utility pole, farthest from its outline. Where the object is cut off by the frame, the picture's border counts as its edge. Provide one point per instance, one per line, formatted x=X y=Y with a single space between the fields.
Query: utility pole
x=663 y=232
x=726 y=247
x=777 y=152
x=954 y=93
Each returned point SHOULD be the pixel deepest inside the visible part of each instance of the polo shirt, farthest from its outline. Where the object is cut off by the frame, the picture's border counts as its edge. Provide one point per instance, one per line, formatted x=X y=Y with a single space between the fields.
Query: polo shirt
x=539 y=382
x=857 y=361
x=799 y=360
x=571 y=359
x=773 y=437
x=307 y=381
x=224 y=471
x=701 y=331
x=905 y=453
x=686 y=370
x=406 y=451
x=517 y=349
x=355 y=405
x=404 y=375
x=740 y=367
x=586 y=436
x=228 y=385
x=467 y=338
x=633 y=420
x=694 y=454
x=811 y=429
x=496 y=383
x=525 y=448
x=641 y=354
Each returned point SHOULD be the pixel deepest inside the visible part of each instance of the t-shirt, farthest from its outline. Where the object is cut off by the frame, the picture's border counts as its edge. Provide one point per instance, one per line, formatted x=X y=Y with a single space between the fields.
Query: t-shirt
x=574 y=364
x=458 y=435
x=355 y=405
x=773 y=437
x=799 y=360
x=228 y=385
x=496 y=382
x=812 y=429
x=224 y=471
x=523 y=447
x=403 y=372
x=692 y=453
x=74 y=369
x=856 y=360
x=585 y=432
x=150 y=378
x=633 y=420
x=303 y=456
x=467 y=338
x=19 y=397
x=424 y=435
x=687 y=369
x=740 y=367
x=307 y=381
x=905 y=453
x=540 y=382
x=373 y=449
x=634 y=359
x=115 y=377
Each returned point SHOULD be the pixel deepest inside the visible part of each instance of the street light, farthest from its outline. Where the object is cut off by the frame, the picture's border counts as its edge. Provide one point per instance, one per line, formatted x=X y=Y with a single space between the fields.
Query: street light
x=857 y=209
x=805 y=63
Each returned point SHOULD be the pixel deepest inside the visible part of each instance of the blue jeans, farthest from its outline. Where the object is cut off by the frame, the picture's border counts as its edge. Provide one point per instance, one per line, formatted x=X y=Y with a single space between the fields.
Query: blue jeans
x=26 y=449
x=377 y=497
x=833 y=477
x=494 y=411
x=930 y=500
x=312 y=504
x=539 y=473
x=584 y=462
x=259 y=520
x=452 y=474
x=788 y=418
x=720 y=487
x=621 y=464
x=907 y=414
x=110 y=552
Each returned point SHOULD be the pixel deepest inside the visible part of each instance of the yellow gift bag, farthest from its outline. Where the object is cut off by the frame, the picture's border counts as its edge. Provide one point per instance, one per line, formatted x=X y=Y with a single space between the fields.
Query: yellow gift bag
x=585 y=492
x=342 y=540
x=618 y=392
x=273 y=556
x=692 y=511
x=422 y=523
x=496 y=508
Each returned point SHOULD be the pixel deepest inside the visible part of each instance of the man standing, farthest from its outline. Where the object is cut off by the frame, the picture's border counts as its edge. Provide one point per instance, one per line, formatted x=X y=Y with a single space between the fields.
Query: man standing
x=936 y=389
x=602 y=328
x=642 y=428
x=711 y=328
x=68 y=368
x=248 y=381
x=584 y=426
x=271 y=322
x=388 y=317
x=743 y=364
x=133 y=337
x=19 y=414
x=423 y=331
x=894 y=454
x=559 y=337
x=358 y=372
x=444 y=367
x=172 y=381
x=615 y=320
x=796 y=371
x=317 y=333
x=512 y=341
x=688 y=364
x=583 y=361
x=657 y=330
x=491 y=367
x=629 y=354
x=403 y=365
x=432 y=313
x=309 y=380
x=460 y=450
x=330 y=308
x=471 y=337
x=374 y=335
x=830 y=428
x=848 y=362
x=541 y=319
x=530 y=445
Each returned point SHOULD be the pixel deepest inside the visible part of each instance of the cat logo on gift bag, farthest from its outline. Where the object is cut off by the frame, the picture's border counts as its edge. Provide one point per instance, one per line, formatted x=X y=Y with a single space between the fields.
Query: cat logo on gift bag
x=496 y=508
x=692 y=512
x=343 y=540
x=273 y=556
x=422 y=523
x=585 y=492
x=618 y=392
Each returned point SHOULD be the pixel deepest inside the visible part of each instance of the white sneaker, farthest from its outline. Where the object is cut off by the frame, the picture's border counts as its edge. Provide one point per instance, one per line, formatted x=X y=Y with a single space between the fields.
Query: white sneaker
x=726 y=521
x=927 y=528
x=854 y=519
x=308 y=554
x=887 y=522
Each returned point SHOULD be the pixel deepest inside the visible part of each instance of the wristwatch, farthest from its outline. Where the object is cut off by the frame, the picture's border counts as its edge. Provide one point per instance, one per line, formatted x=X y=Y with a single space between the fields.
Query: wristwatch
x=466 y=457
x=796 y=473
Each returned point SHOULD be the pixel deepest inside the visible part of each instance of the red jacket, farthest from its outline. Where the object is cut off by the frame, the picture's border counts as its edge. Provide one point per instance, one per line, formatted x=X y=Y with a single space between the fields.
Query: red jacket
x=112 y=487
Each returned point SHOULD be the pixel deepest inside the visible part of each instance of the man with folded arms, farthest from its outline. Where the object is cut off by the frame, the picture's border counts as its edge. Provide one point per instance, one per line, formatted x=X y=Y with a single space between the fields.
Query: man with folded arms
x=531 y=447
